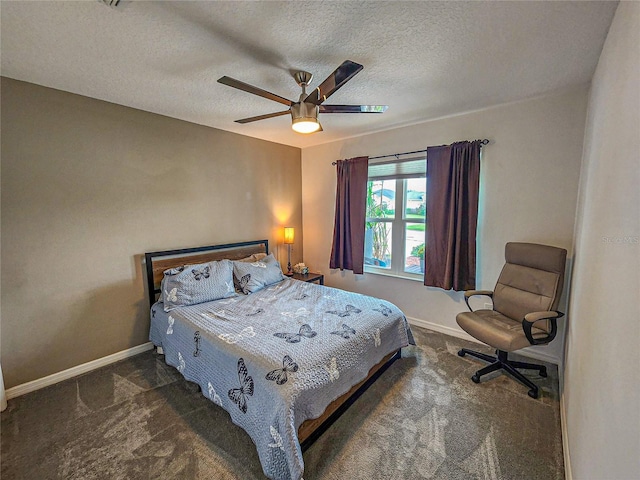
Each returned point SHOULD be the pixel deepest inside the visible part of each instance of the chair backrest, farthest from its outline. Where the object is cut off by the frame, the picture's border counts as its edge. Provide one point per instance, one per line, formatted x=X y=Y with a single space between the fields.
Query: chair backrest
x=531 y=280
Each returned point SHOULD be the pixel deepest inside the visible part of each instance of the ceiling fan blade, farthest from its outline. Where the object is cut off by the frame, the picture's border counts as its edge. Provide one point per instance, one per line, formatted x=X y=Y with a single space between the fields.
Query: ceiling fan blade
x=353 y=108
x=333 y=82
x=232 y=82
x=262 y=117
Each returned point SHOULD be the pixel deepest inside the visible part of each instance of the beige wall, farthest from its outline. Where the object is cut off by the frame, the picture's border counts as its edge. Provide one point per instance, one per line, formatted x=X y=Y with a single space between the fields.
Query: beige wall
x=87 y=187
x=529 y=185
x=601 y=393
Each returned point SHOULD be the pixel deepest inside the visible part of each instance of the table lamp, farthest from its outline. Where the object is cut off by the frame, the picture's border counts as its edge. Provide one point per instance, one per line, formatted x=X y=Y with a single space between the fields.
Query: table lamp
x=288 y=241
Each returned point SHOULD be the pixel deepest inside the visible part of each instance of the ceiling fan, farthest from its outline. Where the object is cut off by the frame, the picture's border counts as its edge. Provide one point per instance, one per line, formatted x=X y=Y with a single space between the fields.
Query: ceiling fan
x=304 y=112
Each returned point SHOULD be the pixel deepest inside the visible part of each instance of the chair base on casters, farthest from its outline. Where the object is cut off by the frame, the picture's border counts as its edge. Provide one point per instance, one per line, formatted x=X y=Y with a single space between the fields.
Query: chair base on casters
x=502 y=362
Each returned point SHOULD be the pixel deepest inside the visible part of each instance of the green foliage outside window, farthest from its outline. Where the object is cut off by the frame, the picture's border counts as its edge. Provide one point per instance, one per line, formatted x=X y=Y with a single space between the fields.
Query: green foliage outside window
x=380 y=230
x=418 y=251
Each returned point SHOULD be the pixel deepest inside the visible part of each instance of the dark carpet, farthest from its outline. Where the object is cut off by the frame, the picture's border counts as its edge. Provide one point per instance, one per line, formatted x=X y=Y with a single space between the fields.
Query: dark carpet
x=424 y=418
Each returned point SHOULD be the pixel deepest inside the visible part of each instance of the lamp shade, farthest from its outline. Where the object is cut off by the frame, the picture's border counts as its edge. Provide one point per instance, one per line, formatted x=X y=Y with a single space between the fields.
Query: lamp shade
x=288 y=235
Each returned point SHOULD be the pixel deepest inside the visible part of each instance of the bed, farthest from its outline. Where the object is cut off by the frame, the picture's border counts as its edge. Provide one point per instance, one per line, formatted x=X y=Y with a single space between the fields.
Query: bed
x=285 y=359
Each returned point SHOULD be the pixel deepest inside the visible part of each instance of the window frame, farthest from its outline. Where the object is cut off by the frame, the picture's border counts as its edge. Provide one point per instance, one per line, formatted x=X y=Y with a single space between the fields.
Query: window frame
x=399 y=222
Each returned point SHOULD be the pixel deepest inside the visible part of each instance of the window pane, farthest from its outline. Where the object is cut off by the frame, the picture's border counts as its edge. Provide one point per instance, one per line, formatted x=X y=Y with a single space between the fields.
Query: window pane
x=416 y=199
x=414 y=248
x=377 y=244
x=381 y=198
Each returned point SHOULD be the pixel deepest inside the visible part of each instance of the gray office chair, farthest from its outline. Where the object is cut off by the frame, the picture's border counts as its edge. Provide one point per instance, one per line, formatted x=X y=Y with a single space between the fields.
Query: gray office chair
x=524 y=312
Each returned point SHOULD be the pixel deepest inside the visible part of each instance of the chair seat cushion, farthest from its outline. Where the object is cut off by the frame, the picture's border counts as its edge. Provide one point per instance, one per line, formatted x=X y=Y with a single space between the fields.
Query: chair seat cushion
x=496 y=330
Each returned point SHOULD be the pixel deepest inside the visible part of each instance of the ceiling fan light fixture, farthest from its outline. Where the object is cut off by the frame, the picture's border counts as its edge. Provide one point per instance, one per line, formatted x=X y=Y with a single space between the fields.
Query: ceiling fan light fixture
x=304 y=117
x=305 y=125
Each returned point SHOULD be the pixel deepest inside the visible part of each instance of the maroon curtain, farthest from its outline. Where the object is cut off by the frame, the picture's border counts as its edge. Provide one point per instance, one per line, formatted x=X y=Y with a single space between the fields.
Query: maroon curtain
x=347 y=251
x=453 y=182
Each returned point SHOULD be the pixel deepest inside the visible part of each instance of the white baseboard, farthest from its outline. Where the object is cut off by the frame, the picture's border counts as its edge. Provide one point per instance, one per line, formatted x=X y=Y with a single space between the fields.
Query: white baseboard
x=455 y=332
x=568 y=475
x=75 y=371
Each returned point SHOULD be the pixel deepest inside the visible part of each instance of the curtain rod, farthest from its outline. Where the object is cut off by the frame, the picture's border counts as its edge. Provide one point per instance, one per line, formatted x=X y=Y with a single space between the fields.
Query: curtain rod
x=482 y=142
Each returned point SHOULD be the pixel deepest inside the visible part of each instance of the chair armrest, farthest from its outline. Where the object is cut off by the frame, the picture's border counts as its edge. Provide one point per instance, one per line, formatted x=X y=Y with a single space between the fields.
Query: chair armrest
x=533 y=317
x=471 y=293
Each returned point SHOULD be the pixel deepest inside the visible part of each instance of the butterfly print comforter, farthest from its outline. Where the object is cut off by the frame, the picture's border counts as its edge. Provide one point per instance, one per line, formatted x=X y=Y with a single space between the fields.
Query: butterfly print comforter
x=278 y=357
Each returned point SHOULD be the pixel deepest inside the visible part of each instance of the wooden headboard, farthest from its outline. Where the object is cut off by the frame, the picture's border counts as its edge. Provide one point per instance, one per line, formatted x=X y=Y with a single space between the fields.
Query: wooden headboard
x=158 y=262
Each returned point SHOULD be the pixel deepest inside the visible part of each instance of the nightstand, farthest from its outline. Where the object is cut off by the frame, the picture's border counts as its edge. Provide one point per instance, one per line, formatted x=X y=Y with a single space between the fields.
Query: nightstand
x=309 y=277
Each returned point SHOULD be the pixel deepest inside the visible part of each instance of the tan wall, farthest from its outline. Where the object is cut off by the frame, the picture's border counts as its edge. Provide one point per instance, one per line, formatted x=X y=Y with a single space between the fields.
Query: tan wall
x=601 y=393
x=89 y=186
x=528 y=192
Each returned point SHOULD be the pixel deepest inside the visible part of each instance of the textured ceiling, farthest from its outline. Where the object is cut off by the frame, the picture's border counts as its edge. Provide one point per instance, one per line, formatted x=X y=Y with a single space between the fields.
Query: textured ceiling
x=423 y=59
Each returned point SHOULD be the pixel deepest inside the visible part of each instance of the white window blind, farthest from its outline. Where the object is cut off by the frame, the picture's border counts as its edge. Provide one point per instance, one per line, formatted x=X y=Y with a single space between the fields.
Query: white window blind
x=405 y=168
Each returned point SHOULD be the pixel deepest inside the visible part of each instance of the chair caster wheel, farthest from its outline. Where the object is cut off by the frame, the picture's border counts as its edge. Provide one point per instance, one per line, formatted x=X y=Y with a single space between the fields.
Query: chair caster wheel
x=475 y=379
x=461 y=353
x=533 y=393
x=543 y=372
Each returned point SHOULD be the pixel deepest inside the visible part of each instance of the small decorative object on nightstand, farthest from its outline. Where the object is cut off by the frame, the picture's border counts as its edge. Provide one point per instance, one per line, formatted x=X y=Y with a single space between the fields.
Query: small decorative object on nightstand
x=309 y=277
x=300 y=268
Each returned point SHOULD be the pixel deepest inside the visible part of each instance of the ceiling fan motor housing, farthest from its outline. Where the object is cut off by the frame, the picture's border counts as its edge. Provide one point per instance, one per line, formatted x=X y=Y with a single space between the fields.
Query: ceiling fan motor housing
x=302 y=110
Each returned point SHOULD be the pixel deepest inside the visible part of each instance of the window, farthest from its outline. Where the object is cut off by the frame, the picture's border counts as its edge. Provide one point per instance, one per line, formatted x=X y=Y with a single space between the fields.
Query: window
x=396 y=211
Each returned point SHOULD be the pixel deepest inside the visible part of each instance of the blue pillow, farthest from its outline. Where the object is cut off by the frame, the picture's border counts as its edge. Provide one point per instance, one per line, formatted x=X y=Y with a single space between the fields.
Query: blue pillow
x=199 y=283
x=254 y=276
